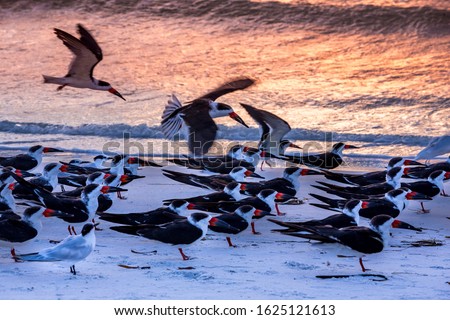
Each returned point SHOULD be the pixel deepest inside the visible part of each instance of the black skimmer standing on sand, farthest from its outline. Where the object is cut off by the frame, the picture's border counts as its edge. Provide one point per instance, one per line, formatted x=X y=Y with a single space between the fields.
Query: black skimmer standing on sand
x=392 y=203
x=81 y=180
x=178 y=232
x=99 y=162
x=71 y=250
x=424 y=172
x=81 y=209
x=437 y=146
x=48 y=180
x=235 y=153
x=392 y=182
x=7 y=201
x=213 y=182
x=177 y=210
x=6 y=177
x=14 y=232
x=231 y=192
x=29 y=160
x=431 y=187
x=195 y=120
x=328 y=160
x=288 y=184
x=87 y=54
x=264 y=200
x=134 y=163
x=213 y=165
x=365 y=240
x=365 y=179
x=114 y=180
x=348 y=218
x=238 y=220
x=272 y=129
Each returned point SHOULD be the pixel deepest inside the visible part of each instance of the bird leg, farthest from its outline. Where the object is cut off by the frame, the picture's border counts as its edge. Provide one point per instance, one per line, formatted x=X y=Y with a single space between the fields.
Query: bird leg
x=278 y=210
x=13 y=254
x=423 y=208
x=266 y=162
x=72 y=270
x=120 y=196
x=253 y=228
x=61 y=87
x=362 y=265
x=185 y=257
x=229 y=242
x=62 y=188
x=72 y=231
x=444 y=194
x=95 y=226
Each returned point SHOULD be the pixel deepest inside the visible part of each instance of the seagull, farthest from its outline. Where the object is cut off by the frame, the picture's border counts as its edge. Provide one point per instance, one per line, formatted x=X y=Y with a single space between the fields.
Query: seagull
x=87 y=55
x=71 y=250
x=436 y=147
x=195 y=119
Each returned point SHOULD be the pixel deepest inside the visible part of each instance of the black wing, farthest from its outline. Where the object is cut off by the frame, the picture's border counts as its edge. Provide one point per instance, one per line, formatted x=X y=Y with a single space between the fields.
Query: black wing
x=86 y=53
x=231 y=86
x=273 y=127
x=202 y=128
x=177 y=232
x=16 y=231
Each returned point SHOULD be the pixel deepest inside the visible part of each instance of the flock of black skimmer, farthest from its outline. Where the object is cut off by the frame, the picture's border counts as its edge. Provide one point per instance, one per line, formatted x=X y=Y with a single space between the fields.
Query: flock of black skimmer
x=231 y=194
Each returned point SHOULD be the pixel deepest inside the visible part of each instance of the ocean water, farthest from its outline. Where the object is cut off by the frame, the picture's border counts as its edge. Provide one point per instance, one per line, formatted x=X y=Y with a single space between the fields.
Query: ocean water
x=373 y=73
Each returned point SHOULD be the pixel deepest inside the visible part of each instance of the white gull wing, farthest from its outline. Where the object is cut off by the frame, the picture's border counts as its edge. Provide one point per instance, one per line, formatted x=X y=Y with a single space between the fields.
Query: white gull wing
x=72 y=249
x=436 y=147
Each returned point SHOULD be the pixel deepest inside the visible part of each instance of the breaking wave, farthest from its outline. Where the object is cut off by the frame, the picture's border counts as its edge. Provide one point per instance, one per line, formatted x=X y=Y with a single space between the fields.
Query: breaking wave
x=237 y=133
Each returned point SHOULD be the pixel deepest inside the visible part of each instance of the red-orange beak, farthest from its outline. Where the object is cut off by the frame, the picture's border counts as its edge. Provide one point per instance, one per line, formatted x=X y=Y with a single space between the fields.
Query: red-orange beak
x=46 y=150
x=233 y=115
x=115 y=92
